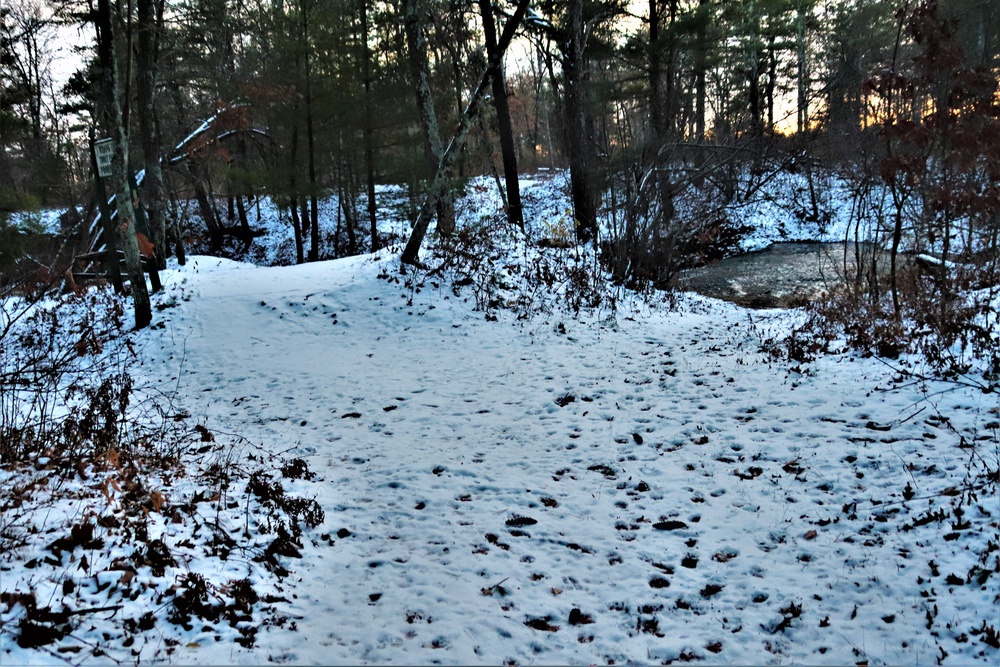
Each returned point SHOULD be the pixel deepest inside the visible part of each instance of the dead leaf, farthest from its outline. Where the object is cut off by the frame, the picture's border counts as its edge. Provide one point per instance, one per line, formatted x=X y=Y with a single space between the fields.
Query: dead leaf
x=157 y=499
x=146 y=248
x=811 y=535
x=113 y=459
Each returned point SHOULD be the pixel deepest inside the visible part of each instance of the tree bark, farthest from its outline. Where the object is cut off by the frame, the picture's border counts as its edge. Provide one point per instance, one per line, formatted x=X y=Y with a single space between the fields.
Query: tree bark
x=121 y=182
x=420 y=73
x=772 y=82
x=579 y=143
x=310 y=139
x=655 y=59
x=298 y=224
x=207 y=210
x=802 y=80
x=241 y=210
x=150 y=13
x=753 y=73
x=700 y=69
x=368 y=130
x=671 y=103
x=454 y=150
x=515 y=214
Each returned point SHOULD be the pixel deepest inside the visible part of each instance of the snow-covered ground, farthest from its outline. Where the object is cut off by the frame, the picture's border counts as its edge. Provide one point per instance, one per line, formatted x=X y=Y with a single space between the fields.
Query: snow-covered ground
x=637 y=485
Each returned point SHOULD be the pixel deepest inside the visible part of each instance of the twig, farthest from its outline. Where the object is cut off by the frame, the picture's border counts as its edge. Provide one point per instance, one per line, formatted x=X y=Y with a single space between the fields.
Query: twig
x=94 y=610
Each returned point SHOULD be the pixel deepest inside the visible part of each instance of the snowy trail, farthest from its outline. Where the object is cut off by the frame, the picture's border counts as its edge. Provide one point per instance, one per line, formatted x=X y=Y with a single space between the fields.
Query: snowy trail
x=558 y=492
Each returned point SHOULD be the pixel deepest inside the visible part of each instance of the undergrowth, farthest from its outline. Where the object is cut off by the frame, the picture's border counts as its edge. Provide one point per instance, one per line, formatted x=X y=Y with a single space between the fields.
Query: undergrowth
x=500 y=270
x=951 y=335
x=111 y=509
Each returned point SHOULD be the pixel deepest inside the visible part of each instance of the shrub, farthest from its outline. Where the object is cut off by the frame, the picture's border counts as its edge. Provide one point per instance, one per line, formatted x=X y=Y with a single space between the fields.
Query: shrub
x=955 y=335
x=62 y=393
x=525 y=280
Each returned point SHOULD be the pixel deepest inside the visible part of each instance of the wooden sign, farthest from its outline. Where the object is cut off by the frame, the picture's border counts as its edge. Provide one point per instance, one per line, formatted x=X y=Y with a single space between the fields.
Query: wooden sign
x=104 y=150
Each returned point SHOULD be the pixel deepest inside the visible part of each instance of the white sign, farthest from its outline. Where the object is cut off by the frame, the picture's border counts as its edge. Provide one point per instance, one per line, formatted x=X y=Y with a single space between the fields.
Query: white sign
x=104 y=150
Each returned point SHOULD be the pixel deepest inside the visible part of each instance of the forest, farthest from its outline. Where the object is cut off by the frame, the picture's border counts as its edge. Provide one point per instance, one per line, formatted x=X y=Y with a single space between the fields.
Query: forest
x=663 y=112
x=427 y=331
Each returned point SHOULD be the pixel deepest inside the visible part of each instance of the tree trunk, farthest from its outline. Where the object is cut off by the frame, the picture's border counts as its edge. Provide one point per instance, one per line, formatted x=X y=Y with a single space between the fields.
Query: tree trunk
x=310 y=140
x=701 y=66
x=579 y=143
x=897 y=195
x=368 y=130
x=153 y=190
x=345 y=195
x=669 y=73
x=304 y=217
x=772 y=82
x=802 y=76
x=293 y=208
x=515 y=214
x=105 y=57
x=420 y=73
x=753 y=74
x=241 y=210
x=297 y=223
x=121 y=181
x=655 y=74
x=207 y=210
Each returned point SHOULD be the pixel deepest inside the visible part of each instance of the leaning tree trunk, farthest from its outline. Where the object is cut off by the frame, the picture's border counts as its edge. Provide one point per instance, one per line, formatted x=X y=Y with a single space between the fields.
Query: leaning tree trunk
x=420 y=72
x=454 y=150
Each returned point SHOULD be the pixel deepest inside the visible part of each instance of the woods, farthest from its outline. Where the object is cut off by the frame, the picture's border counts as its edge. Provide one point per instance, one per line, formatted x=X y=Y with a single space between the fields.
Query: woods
x=651 y=331
x=650 y=106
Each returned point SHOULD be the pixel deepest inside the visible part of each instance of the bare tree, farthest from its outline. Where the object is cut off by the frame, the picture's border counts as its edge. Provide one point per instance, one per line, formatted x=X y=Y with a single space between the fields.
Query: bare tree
x=420 y=73
x=515 y=214
x=450 y=156
x=125 y=227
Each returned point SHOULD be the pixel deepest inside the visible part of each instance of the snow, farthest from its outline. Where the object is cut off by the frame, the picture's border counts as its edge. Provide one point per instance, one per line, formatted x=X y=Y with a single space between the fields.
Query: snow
x=45 y=221
x=637 y=485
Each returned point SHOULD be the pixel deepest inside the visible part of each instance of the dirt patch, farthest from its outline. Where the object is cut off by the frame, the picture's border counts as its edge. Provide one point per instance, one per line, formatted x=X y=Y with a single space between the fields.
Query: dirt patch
x=783 y=275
